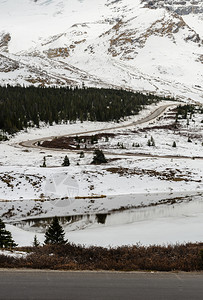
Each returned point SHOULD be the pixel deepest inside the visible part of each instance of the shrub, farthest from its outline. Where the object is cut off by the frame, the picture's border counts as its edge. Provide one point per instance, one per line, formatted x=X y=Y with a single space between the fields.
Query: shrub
x=187 y=257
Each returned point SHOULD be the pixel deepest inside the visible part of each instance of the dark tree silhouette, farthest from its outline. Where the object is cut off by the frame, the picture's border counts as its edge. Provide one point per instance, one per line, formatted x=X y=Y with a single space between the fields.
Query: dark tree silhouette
x=36 y=243
x=55 y=233
x=99 y=157
x=6 y=240
x=22 y=107
x=66 y=162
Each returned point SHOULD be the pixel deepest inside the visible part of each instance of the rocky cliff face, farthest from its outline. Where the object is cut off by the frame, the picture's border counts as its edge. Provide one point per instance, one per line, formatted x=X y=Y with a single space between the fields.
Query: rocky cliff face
x=181 y=7
x=4 y=41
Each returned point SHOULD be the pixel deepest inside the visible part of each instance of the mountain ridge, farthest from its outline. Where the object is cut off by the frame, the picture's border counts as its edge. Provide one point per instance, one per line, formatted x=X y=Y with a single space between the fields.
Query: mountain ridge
x=122 y=44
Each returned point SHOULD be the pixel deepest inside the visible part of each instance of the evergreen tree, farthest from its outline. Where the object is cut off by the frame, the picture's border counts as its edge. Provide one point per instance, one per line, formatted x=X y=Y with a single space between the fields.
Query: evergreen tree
x=44 y=162
x=152 y=141
x=188 y=122
x=55 y=233
x=36 y=243
x=82 y=154
x=99 y=157
x=6 y=240
x=21 y=107
x=66 y=162
x=174 y=144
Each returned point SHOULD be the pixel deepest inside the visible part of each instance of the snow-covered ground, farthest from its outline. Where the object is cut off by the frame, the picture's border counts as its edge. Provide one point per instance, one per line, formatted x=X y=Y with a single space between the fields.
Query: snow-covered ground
x=16 y=254
x=160 y=186
x=171 y=225
x=158 y=231
x=110 y=44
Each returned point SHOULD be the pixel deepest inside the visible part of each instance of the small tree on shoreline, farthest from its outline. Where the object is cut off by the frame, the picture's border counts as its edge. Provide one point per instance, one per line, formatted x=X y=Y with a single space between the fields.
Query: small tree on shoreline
x=55 y=233
x=36 y=243
x=6 y=240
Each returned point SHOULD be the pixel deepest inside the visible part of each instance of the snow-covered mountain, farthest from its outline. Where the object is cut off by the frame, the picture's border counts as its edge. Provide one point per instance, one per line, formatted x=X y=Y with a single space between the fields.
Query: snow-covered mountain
x=142 y=45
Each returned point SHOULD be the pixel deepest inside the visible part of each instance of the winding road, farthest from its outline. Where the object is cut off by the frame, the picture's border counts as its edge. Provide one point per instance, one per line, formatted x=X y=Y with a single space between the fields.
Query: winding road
x=153 y=115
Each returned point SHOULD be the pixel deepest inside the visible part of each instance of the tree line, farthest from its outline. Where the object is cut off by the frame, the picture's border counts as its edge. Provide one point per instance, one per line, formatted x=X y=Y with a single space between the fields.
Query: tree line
x=22 y=107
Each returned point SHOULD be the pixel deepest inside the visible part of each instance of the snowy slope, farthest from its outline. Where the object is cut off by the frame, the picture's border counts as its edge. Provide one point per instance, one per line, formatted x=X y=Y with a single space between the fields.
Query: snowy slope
x=121 y=43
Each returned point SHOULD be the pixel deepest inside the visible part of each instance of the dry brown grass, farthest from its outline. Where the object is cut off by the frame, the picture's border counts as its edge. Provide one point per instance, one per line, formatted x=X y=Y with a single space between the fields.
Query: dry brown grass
x=187 y=257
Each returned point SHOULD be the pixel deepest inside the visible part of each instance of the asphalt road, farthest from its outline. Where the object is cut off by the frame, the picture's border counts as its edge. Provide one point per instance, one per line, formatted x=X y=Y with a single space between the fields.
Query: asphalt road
x=99 y=285
x=153 y=115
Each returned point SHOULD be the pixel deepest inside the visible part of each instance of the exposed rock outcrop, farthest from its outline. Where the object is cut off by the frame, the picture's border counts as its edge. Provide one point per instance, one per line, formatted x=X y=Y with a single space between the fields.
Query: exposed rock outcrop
x=178 y=6
x=4 y=41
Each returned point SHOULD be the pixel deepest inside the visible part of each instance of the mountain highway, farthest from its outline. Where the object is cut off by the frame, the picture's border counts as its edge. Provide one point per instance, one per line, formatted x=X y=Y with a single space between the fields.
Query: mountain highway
x=59 y=285
x=153 y=115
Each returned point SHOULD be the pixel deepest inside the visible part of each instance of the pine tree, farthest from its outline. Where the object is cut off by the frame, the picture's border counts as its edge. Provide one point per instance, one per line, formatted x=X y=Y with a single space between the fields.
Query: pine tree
x=6 y=240
x=152 y=141
x=55 y=233
x=44 y=162
x=99 y=157
x=24 y=107
x=66 y=162
x=82 y=154
x=174 y=144
x=36 y=243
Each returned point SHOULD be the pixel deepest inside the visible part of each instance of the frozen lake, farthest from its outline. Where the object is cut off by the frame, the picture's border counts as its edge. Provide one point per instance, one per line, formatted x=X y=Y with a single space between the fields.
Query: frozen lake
x=163 y=224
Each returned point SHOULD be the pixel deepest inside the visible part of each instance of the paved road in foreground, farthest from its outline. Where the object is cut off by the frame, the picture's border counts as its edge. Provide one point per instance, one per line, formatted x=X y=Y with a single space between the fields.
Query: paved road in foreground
x=55 y=285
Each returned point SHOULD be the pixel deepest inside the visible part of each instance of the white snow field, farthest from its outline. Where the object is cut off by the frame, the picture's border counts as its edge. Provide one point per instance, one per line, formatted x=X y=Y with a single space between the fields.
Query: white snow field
x=173 y=227
x=111 y=43
x=147 y=199
x=148 y=194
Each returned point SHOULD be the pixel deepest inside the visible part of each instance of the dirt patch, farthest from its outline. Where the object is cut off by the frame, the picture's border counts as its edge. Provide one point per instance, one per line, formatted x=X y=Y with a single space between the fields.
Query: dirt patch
x=84 y=142
x=168 y=174
x=173 y=127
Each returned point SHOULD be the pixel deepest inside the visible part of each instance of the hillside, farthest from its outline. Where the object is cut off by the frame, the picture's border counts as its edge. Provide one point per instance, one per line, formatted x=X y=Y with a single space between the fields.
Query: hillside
x=143 y=45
